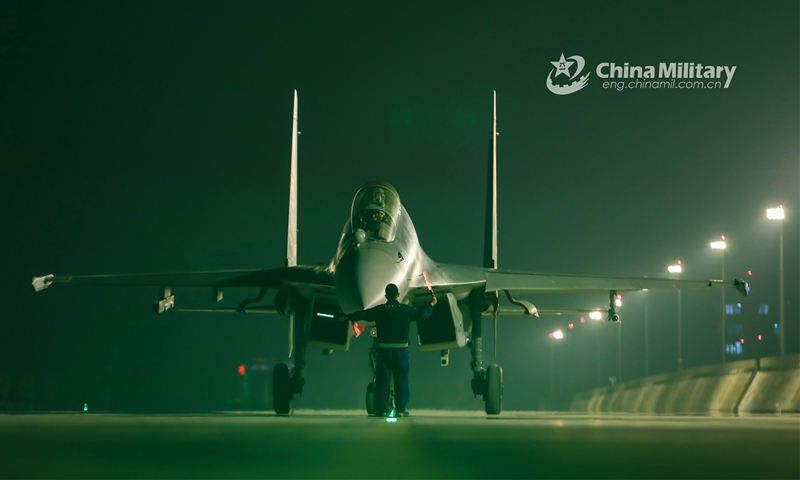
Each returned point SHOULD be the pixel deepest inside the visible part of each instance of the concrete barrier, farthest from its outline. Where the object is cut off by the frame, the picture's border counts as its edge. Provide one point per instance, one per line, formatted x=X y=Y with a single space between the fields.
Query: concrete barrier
x=775 y=388
x=766 y=385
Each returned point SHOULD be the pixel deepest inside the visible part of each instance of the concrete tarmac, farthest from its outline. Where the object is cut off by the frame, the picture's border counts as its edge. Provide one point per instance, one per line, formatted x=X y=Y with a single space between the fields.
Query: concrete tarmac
x=429 y=444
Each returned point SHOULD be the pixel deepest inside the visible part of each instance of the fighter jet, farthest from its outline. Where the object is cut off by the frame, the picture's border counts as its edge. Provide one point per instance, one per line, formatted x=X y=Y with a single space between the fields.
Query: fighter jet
x=379 y=245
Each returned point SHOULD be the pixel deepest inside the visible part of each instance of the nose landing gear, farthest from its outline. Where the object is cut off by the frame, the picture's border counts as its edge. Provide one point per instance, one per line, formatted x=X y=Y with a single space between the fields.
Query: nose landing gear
x=371 y=391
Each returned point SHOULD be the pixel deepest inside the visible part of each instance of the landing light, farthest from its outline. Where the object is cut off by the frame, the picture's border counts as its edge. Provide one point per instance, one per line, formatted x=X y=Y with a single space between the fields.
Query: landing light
x=718 y=245
x=674 y=269
x=596 y=315
x=558 y=334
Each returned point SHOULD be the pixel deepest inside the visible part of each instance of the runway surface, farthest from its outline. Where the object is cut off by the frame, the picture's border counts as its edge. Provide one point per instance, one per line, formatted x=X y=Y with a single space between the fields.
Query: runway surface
x=429 y=444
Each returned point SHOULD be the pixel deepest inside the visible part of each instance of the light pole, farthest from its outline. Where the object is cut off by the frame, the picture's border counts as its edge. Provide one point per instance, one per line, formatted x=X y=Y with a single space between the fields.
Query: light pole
x=720 y=245
x=777 y=214
x=646 y=338
x=557 y=335
x=597 y=315
x=618 y=303
x=676 y=269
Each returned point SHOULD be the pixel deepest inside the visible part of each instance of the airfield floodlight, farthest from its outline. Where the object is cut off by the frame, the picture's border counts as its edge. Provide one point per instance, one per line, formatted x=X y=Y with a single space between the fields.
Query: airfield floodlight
x=777 y=214
x=596 y=315
x=718 y=245
x=674 y=269
x=558 y=334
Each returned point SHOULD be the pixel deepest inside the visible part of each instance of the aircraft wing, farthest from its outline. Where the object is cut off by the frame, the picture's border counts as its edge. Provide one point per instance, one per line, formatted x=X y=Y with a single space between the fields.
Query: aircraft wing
x=457 y=277
x=316 y=277
x=528 y=282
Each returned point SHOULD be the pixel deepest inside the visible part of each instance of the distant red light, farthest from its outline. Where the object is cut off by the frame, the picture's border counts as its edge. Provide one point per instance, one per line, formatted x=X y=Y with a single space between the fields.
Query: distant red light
x=571 y=325
x=583 y=319
x=679 y=262
x=241 y=369
x=741 y=340
x=750 y=272
x=722 y=237
x=551 y=335
x=759 y=337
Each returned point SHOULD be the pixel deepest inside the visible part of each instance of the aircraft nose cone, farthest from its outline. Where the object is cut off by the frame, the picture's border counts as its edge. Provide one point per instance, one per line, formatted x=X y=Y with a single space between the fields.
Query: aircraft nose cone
x=361 y=278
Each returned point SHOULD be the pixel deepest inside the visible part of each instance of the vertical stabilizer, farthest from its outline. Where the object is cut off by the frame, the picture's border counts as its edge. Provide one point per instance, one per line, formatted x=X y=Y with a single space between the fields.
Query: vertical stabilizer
x=291 y=234
x=490 y=238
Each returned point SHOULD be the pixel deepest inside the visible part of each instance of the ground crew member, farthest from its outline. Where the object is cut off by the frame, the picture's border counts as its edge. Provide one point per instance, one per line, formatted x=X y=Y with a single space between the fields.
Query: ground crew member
x=392 y=320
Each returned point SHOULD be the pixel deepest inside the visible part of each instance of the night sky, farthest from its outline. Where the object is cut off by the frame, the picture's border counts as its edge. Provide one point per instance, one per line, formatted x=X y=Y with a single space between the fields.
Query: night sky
x=155 y=137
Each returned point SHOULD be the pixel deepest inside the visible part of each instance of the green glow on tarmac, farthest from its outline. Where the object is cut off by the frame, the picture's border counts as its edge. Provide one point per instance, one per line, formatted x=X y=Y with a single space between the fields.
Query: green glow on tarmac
x=391 y=418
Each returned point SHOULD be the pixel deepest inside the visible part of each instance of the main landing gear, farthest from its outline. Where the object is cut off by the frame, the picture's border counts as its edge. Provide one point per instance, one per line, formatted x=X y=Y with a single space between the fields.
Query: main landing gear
x=486 y=382
x=286 y=383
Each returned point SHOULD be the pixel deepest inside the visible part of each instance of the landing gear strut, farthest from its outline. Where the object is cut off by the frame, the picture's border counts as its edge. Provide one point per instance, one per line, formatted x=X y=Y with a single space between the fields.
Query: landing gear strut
x=486 y=382
x=285 y=383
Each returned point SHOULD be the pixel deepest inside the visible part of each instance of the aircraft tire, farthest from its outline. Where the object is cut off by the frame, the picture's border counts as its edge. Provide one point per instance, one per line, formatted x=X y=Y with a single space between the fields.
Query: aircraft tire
x=282 y=389
x=371 y=398
x=493 y=397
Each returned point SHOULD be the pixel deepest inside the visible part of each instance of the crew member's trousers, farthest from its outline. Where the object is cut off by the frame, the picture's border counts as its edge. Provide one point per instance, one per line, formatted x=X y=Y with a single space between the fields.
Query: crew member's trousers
x=392 y=362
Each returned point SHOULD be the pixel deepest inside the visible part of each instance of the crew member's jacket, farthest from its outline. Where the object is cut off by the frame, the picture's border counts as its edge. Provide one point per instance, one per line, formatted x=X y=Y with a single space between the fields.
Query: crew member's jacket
x=393 y=320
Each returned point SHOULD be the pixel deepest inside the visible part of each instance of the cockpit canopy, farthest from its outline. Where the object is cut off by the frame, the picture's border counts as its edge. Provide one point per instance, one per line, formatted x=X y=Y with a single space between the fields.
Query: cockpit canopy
x=376 y=209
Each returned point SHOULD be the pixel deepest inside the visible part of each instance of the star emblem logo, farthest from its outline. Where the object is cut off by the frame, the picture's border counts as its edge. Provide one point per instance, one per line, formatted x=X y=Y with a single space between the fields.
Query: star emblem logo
x=562 y=66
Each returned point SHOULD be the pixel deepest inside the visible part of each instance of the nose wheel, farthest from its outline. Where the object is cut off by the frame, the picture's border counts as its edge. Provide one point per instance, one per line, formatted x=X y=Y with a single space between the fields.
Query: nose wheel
x=371 y=398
